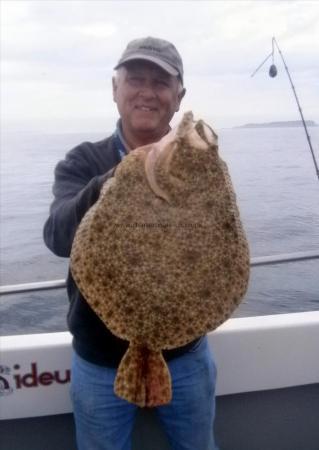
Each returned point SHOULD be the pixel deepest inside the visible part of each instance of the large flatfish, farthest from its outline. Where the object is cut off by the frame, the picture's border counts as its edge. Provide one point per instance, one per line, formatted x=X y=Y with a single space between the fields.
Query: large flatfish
x=162 y=256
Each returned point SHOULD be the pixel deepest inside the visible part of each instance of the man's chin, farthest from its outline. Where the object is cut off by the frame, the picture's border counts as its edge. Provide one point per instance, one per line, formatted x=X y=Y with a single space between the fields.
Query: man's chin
x=146 y=127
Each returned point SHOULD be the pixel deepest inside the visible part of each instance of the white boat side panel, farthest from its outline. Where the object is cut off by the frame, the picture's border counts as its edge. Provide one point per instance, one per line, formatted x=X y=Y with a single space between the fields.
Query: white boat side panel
x=39 y=341
x=35 y=375
x=266 y=352
x=254 y=353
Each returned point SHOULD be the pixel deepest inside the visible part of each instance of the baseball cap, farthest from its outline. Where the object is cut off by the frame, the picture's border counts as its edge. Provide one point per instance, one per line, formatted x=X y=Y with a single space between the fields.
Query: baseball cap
x=158 y=51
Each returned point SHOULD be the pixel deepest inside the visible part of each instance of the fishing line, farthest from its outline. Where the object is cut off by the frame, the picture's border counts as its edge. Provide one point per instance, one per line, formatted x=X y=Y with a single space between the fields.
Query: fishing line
x=273 y=73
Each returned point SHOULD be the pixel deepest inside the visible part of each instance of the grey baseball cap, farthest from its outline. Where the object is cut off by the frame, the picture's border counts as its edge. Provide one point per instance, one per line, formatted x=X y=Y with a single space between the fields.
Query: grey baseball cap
x=157 y=51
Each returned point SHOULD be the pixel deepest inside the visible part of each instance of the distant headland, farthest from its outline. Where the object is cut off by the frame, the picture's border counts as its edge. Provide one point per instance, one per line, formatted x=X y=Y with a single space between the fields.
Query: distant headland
x=288 y=123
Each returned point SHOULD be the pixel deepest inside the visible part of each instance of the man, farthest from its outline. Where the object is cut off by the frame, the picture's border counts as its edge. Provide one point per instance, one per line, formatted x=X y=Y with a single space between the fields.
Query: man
x=148 y=90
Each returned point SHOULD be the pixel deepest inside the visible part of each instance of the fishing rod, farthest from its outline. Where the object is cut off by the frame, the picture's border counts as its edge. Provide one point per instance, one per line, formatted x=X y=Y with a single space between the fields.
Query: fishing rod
x=273 y=74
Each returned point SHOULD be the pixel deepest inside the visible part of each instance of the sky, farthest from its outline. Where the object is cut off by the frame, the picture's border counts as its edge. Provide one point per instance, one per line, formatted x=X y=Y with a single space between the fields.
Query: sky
x=57 y=59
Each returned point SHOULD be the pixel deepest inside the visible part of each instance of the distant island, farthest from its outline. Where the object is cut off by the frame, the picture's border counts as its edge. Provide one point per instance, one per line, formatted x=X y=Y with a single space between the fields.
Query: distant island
x=288 y=123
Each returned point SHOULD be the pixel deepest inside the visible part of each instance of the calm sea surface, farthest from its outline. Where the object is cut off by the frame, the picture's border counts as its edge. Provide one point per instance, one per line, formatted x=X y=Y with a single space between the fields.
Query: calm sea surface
x=278 y=196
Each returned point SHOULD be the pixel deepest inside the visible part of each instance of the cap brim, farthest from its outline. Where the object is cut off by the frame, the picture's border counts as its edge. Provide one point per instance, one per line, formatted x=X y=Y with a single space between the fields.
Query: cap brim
x=165 y=66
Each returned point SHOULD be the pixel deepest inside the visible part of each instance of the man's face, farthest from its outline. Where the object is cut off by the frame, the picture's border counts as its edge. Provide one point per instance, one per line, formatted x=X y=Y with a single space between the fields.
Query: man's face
x=147 y=98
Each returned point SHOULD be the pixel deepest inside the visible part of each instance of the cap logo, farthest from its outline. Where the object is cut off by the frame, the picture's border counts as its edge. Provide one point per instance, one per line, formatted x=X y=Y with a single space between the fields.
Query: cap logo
x=149 y=47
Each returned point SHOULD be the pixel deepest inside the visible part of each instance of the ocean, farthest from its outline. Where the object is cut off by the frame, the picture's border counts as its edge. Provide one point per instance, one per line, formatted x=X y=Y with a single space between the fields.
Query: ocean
x=277 y=191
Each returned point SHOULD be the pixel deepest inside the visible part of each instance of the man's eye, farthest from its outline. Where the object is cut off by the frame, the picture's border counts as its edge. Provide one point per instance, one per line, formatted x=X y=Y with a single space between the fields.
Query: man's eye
x=135 y=80
x=163 y=83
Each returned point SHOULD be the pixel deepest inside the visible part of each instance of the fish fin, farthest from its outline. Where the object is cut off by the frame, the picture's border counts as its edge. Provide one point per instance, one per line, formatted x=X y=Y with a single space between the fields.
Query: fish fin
x=143 y=377
x=150 y=161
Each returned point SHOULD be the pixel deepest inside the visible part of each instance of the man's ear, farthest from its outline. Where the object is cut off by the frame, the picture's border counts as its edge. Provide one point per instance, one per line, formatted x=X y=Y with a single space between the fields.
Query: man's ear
x=114 y=88
x=180 y=97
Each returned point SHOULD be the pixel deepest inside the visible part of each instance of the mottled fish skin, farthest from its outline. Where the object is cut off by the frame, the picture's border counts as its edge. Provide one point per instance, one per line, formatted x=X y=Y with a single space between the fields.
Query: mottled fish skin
x=162 y=256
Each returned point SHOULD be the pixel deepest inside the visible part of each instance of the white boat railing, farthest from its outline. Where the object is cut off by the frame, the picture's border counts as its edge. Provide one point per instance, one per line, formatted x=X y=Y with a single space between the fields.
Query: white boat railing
x=257 y=261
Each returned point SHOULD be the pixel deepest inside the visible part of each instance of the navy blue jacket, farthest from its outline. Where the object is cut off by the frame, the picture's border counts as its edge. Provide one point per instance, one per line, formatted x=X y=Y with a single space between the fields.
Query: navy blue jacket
x=78 y=181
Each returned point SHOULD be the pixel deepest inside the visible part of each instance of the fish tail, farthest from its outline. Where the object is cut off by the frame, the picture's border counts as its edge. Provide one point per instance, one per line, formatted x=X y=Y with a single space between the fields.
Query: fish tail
x=143 y=377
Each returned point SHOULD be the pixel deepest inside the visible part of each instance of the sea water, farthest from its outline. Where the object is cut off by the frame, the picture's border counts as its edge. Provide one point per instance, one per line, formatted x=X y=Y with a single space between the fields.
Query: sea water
x=277 y=192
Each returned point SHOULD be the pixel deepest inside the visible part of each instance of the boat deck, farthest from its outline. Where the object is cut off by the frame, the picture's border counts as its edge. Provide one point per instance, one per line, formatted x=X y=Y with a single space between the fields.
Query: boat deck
x=267 y=388
x=281 y=419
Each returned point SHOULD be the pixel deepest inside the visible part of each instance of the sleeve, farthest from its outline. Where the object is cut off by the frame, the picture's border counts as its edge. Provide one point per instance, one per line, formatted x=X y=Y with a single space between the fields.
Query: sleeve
x=75 y=190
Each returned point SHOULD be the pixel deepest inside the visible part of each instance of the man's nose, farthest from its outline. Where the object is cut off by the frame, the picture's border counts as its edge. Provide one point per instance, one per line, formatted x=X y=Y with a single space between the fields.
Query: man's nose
x=147 y=91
